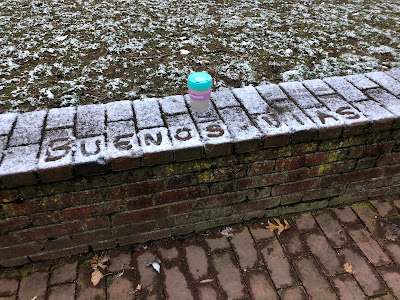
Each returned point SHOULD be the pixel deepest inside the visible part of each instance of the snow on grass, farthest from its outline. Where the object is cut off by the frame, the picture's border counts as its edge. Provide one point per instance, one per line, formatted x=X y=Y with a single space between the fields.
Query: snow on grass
x=59 y=53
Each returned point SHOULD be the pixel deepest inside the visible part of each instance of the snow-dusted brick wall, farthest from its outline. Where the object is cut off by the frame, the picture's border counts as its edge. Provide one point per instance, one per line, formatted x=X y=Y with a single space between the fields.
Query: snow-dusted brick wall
x=132 y=171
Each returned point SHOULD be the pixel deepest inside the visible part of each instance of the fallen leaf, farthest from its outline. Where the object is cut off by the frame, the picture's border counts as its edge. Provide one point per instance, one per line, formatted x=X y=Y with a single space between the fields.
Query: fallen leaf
x=96 y=277
x=280 y=227
x=271 y=226
x=34 y=298
x=349 y=268
x=138 y=288
x=384 y=69
x=228 y=232
x=207 y=280
x=242 y=19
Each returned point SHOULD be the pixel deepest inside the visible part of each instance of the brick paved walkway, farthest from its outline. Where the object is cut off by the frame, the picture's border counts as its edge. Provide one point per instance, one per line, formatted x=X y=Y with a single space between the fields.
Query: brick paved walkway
x=306 y=261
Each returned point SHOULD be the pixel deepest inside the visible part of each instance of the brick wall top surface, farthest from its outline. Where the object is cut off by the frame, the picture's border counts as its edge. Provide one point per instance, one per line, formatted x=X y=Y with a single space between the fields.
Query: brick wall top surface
x=46 y=146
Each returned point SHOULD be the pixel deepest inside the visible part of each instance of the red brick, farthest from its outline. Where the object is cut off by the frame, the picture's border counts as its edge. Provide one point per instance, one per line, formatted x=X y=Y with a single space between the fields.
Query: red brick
x=314 y=159
x=89 y=237
x=294 y=187
x=181 y=207
x=125 y=163
x=332 y=229
x=8 y=240
x=180 y=181
x=120 y=288
x=393 y=248
x=229 y=276
x=54 y=174
x=197 y=261
x=8 y=287
x=12 y=224
x=313 y=280
x=259 y=181
x=65 y=272
x=208 y=291
x=50 y=231
x=260 y=233
x=259 y=193
x=277 y=264
x=217 y=242
x=215 y=150
x=297 y=175
x=368 y=245
x=8 y=195
x=388 y=159
x=305 y=222
x=290 y=163
x=19 y=250
x=33 y=285
x=379 y=228
x=296 y=292
x=45 y=218
x=86 y=197
x=176 y=286
x=244 y=248
x=98 y=222
x=293 y=244
x=119 y=259
x=257 y=205
x=346 y=286
x=365 y=275
x=13 y=262
x=392 y=170
x=384 y=208
x=260 y=168
x=156 y=158
x=140 y=215
x=321 y=193
x=396 y=203
x=325 y=255
x=346 y=215
x=220 y=200
x=134 y=189
x=85 y=211
x=134 y=228
x=65 y=291
x=260 y=285
x=136 y=175
x=145 y=237
x=278 y=140
x=334 y=168
x=222 y=187
x=181 y=195
x=391 y=275
x=37 y=206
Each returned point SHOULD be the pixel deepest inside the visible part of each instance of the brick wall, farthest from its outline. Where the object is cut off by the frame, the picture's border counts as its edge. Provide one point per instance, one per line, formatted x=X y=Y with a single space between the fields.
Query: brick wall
x=98 y=176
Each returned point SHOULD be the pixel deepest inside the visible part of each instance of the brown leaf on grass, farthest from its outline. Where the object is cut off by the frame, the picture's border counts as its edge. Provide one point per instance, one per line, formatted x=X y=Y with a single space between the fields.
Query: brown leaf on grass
x=96 y=277
x=349 y=268
x=280 y=227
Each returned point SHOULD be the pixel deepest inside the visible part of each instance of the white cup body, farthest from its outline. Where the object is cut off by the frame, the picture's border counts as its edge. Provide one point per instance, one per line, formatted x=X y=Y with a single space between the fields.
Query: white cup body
x=199 y=100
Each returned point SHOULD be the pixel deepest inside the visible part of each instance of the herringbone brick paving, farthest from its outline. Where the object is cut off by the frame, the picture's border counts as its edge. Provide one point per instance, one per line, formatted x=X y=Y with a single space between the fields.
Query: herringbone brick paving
x=306 y=261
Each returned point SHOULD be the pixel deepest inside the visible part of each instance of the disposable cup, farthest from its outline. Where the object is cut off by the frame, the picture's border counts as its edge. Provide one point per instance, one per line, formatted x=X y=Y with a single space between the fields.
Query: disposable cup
x=199 y=86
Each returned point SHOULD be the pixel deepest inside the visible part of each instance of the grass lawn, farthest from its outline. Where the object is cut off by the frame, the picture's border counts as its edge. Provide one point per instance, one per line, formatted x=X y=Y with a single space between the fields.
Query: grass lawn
x=67 y=52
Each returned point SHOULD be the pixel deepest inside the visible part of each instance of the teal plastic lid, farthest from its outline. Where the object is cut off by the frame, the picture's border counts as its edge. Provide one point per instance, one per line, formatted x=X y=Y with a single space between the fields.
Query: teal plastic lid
x=199 y=81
